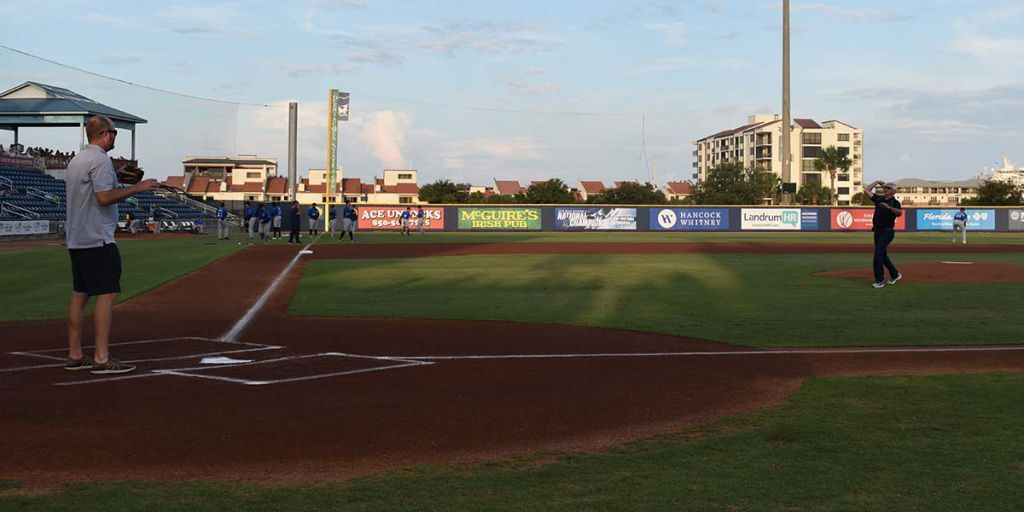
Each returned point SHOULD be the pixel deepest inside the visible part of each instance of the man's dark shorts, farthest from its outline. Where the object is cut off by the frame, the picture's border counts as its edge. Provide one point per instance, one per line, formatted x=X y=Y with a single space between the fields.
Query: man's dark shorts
x=96 y=271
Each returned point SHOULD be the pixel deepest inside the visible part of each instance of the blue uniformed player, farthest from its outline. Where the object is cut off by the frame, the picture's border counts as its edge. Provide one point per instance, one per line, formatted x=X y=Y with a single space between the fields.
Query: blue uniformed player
x=276 y=221
x=406 y=219
x=251 y=219
x=314 y=220
x=421 y=219
x=222 y=222
x=960 y=224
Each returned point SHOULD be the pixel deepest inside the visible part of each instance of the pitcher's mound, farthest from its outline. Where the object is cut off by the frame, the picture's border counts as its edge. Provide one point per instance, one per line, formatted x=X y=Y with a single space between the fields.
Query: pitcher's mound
x=939 y=272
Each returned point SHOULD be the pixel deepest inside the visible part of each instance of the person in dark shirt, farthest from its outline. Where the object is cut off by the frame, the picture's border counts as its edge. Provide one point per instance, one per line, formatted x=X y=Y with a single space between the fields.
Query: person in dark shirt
x=294 y=214
x=883 y=223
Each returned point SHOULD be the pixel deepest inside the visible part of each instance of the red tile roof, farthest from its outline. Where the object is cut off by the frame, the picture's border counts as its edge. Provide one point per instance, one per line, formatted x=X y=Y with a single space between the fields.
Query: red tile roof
x=175 y=181
x=807 y=123
x=683 y=188
x=319 y=188
x=351 y=185
x=213 y=187
x=507 y=187
x=366 y=188
x=253 y=186
x=401 y=188
x=619 y=183
x=277 y=185
x=593 y=187
x=198 y=185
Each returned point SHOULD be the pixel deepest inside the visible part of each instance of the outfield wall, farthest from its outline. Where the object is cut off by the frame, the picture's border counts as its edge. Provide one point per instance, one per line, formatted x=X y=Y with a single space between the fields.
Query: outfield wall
x=527 y=218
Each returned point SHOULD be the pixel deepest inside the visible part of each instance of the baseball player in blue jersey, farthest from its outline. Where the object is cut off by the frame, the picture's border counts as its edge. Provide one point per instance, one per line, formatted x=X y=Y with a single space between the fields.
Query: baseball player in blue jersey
x=332 y=220
x=314 y=220
x=406 y=219
x=420 y=219
x=251 y=219
x=266 y=217
x=349 y=221
x=222 y=222
x=960 y=224
x=275 y=212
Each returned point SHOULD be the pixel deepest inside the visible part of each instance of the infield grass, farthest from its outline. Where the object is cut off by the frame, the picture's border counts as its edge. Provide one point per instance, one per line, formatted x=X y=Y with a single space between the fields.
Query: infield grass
x=749 y=299
x=35 y=283
x=928 y=444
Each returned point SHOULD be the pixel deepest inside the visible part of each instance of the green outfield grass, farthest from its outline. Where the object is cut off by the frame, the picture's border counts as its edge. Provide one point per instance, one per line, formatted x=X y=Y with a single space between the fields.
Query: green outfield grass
x=805 y=237
x=35 y=283
x=749 y=299
x=928 y=444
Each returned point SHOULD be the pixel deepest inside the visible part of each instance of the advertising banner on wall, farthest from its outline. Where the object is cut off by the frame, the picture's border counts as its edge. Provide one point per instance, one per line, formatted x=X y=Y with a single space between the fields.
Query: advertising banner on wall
x=390 y=218
x=24 y=227
x=582 y=219
x=936 y=220
x=770 y=219
x=500 y=219
x=809 y=220
x=859 y=219
x=1016 y=220
x=689 y=219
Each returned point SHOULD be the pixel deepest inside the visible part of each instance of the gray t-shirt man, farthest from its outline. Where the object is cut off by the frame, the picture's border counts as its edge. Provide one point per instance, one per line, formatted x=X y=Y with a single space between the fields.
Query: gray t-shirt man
x=89 y=224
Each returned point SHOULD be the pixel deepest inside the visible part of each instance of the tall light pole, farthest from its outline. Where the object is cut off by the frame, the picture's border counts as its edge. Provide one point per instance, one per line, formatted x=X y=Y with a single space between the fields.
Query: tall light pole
x=787 y=163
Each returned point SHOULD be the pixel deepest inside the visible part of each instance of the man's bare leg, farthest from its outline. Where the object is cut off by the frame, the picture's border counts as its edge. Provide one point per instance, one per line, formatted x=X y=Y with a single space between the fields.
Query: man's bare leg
x=103 y=317
x=76 y=313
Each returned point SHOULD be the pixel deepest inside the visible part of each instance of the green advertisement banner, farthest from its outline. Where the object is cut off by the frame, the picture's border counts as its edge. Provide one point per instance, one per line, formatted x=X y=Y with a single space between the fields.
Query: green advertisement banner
x=503 y=219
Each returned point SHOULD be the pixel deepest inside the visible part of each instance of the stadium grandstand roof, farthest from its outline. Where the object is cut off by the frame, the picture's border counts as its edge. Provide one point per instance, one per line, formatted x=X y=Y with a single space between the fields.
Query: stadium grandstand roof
x=36 y=104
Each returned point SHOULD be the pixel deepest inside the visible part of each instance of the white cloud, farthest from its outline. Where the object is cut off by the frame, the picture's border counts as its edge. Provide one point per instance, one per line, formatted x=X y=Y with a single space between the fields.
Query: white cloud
x=834 y=11
x=333 y=4
x=674 y=32
x=488 y=156
x=531 y=89
x=385 y=133
x=679 y=63
x=941 y=128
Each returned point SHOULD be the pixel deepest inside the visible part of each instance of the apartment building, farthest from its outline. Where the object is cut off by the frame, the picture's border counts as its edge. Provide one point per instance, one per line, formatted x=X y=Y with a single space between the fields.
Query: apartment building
x=916 y=192
x=758 y=145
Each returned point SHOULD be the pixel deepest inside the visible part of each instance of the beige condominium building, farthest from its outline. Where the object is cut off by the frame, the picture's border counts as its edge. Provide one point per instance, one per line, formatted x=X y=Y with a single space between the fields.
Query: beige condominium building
x=917 y=192
x=757 y=145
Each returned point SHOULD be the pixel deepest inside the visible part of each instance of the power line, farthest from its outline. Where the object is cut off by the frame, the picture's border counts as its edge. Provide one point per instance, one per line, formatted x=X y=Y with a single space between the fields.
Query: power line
x=133 y=84
x=479 y=108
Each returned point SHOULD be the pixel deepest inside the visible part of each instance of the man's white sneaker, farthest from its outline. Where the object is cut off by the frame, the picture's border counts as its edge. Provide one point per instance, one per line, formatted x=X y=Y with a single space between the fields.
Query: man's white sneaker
x=878 y=284
x=899 y=276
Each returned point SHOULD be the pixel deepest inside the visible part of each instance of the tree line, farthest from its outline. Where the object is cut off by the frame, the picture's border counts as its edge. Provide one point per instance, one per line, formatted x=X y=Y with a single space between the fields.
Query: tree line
x=728 y=183
x=553 y=191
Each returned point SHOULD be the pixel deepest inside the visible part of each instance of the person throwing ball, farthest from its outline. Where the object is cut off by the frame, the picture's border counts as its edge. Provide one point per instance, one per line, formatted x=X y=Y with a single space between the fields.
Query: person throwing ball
x=883 y=223
x=960 y=224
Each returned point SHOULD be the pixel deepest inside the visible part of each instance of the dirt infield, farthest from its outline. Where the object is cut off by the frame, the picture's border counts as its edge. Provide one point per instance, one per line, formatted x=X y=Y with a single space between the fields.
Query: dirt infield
x=330 y=398
x=943 y=272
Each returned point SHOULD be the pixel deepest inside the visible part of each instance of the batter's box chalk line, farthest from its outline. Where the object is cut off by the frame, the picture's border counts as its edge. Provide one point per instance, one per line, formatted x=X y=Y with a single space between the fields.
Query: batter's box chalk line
x=203 y=372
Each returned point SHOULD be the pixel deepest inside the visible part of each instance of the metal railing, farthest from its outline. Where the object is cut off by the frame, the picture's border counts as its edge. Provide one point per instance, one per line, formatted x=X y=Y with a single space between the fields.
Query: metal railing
x=17 y=211
x=192 y=203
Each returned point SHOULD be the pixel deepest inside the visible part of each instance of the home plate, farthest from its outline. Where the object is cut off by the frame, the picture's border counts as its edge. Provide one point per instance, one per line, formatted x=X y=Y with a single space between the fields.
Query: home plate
x=223 y=360
x=958 y=262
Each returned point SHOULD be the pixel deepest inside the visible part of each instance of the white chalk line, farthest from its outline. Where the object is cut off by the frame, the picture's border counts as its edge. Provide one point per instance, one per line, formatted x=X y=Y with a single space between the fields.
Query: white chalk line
x=925 y=350
x=191 y=371
x=256 y=347
x=243 y=322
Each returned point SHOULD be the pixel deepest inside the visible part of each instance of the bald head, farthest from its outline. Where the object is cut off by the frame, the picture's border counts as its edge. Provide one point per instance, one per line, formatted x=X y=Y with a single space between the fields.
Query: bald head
x=97 y=127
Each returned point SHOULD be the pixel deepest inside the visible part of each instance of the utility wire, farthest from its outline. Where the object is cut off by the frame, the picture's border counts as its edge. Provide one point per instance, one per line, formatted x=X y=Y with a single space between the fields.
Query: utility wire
x=133 y=84
x=399 y=100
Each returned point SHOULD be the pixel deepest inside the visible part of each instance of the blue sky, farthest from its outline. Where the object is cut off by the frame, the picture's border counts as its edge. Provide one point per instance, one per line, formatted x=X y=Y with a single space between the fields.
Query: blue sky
x=473 y=91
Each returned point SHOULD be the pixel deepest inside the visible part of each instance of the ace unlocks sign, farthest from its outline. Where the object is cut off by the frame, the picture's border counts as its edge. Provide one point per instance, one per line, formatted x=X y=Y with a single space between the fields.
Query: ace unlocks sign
x=390 y=217
x=499 y=219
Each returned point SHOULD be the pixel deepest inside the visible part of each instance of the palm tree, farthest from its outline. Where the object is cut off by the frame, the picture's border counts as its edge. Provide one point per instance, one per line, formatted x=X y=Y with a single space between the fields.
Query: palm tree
x=832 y=160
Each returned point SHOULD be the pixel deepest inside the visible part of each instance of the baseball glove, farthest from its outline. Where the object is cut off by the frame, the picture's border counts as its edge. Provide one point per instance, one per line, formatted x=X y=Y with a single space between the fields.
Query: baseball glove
x=130 y=174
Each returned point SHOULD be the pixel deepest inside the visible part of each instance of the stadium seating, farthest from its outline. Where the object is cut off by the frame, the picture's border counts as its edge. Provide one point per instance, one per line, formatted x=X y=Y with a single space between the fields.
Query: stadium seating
x=44 y=195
